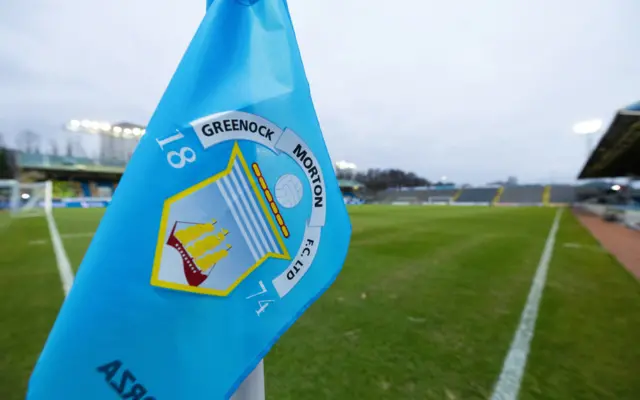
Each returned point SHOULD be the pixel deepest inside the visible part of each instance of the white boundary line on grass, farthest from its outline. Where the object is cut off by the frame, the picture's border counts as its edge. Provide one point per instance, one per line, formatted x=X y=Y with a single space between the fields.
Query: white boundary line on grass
x=508 y=385
x=64 y=236
x=62 y=260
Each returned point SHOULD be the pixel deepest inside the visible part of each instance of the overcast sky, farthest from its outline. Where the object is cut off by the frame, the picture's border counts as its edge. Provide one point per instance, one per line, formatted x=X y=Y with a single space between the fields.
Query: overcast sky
x=472 y=89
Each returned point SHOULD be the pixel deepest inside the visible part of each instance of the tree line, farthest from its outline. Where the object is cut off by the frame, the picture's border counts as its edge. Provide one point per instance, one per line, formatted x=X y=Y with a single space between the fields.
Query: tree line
x=377 y=179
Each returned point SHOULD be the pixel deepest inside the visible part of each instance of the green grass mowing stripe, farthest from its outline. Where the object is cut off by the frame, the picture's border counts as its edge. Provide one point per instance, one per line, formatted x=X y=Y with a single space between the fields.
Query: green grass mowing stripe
x=5 y=220
x=76 y=249
x=76 y=246
x=30 y=296
x=422 y=312
x=30 y=291
x=78 y=220
x=75 y=222
x=586 y=340
x=442 y=295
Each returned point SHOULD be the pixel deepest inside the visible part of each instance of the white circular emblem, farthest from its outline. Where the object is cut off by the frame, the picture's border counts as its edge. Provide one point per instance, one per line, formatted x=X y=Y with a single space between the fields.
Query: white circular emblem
x=288 y=191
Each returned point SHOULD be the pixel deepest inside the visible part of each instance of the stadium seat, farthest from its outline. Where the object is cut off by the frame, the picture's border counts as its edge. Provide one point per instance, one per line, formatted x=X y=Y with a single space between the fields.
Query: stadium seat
x=522 y=195
x=477 y=195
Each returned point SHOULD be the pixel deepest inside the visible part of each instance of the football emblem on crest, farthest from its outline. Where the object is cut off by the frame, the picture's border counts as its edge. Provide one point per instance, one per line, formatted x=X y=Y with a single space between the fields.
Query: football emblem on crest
x=214 y=234
x=289 y=190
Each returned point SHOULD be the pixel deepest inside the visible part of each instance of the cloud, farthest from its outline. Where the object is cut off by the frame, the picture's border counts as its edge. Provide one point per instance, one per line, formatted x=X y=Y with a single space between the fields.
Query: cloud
x=472 y=90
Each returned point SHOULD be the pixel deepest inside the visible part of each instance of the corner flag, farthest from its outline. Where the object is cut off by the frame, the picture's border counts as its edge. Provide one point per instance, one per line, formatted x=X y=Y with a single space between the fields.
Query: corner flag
x=227 y=224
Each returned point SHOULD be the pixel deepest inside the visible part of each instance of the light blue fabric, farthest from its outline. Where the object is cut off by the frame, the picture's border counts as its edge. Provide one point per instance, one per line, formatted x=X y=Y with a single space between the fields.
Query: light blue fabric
x=121 y=332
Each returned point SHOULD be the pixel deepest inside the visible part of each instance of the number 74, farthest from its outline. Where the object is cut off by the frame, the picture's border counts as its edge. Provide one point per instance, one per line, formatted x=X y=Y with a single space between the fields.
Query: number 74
x=263 y=304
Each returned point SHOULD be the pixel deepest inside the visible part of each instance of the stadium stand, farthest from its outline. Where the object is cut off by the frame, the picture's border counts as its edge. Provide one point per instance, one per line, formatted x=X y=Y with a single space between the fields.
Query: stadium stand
x=417 y=196
x=522 y=195
x=635 y=195
x=353 y=192
x=35 y=161
x=86 y=188
x=562 y=194
x=73 y=177
x=8 y=166
x=477 y=195
x=615 y=156
x=67 y=189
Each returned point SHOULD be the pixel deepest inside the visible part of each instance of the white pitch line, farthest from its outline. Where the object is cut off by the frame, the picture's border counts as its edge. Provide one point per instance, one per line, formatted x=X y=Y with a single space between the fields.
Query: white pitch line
x=64 y=266
x=508 y=385
x=63 y=236
x=77 y=235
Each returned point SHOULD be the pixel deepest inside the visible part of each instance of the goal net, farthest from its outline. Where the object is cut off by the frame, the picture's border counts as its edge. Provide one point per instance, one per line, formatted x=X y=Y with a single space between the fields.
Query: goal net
x=440 y=200
x=20 y=199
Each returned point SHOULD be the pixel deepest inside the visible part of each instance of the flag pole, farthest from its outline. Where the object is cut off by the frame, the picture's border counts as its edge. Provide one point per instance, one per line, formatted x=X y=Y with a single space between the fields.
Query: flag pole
x=253 y=386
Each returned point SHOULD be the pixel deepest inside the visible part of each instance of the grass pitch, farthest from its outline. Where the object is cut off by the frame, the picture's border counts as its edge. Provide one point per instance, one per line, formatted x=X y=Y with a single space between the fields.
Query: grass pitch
x=425 y=308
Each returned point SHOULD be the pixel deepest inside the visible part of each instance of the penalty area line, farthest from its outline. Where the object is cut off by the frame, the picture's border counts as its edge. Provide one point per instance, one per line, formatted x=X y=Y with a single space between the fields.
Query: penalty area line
x=62 y=260
x=508 y=385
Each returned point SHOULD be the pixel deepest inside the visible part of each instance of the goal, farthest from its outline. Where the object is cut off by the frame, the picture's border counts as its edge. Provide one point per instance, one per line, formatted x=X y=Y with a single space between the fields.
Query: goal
x=22 y=200
x=440 y=200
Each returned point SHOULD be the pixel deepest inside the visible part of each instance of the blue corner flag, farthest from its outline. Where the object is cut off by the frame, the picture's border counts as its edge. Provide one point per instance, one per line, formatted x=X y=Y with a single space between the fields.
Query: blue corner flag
x=228 y=223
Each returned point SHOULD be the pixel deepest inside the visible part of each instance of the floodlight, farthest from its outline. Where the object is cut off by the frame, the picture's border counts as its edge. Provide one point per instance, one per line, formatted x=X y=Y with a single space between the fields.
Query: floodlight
x=103 y=127
x=587 y=127
x=616 y=188
x=345 y=165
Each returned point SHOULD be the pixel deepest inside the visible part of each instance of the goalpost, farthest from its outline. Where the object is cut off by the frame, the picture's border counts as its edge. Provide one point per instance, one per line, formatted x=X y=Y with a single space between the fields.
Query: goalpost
x=440 y=200
x=23 y=200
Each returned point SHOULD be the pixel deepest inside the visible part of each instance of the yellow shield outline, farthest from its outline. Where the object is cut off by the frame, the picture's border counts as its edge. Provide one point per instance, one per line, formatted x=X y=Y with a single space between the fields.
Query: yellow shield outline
x=156 y=281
